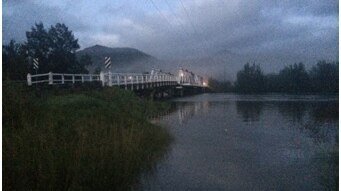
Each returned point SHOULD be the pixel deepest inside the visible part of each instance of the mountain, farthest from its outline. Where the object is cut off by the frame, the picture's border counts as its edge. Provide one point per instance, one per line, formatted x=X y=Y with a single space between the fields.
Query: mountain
x=122 y=59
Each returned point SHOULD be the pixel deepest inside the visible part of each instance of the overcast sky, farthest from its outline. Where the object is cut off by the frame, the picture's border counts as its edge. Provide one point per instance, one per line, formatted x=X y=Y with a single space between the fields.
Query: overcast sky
x=220 y=33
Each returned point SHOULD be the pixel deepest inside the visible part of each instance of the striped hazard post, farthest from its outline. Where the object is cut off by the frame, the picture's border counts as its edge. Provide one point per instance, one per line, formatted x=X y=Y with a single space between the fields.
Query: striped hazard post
x=35 y=63
x=107 y=62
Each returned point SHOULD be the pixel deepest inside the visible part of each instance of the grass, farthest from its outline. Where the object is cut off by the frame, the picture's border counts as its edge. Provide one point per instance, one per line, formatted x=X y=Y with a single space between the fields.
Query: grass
x=78 y=139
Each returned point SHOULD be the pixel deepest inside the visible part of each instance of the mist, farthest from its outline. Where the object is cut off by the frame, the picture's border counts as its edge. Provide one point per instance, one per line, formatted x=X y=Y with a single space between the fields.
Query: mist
x=213 y=38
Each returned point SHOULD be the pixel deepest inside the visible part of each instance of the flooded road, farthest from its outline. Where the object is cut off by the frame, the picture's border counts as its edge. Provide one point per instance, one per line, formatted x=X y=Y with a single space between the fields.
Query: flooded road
x=243 y=142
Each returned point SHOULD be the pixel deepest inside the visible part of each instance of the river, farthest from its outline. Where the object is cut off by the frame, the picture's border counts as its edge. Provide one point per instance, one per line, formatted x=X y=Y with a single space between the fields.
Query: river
x=249 y=142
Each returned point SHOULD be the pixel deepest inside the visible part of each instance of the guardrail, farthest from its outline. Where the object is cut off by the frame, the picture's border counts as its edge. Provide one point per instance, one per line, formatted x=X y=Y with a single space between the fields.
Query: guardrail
x=134 y=80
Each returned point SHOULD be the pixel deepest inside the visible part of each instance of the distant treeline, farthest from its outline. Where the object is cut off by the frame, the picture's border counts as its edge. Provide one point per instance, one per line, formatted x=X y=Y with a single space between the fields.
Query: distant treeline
x=322 y=78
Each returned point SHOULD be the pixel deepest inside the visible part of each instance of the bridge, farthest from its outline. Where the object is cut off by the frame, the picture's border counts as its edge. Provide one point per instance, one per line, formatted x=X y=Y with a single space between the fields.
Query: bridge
x=155 y=83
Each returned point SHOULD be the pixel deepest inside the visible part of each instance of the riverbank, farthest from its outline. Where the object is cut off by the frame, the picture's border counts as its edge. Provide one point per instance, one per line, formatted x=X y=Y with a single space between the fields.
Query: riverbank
x=78 y=139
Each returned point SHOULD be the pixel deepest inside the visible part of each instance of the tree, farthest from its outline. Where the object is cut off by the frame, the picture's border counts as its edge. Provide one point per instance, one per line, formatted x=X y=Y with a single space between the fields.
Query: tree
x=14 y=64
x=220 y=86
x=38 y=46
x=294 y=78
x=250 y=79
x=85 y=61
x=55 y=48
x=325 y=77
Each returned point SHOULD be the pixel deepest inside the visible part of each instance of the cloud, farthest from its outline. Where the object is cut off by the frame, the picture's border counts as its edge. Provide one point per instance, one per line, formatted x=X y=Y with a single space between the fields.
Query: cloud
x=271 y=32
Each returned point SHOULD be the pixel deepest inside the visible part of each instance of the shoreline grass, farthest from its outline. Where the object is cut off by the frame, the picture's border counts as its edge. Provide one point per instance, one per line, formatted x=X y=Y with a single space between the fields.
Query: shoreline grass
x=78 y=140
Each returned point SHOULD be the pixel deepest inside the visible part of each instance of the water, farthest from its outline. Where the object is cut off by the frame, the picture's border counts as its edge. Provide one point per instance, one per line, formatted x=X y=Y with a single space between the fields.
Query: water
x=243 y=142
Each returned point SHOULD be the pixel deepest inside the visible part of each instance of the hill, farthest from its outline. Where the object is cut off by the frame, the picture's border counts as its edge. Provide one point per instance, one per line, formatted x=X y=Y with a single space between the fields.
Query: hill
x=122 y=59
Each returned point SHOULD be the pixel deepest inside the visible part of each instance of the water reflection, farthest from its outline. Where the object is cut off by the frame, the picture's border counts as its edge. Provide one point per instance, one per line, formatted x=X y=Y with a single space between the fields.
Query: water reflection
x=263 y=143
x=293 y=110
x=186 y=110
x=249 y=111
x=325 y=111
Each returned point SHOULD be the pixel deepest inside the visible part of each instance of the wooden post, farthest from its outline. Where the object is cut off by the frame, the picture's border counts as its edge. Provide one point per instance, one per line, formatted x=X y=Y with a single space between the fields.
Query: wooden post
x=50 y=78
x=29 y=79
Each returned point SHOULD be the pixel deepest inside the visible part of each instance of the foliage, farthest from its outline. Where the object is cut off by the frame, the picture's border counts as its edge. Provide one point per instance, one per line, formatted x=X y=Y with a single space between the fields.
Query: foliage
x=322 y=78
x=325 y=77
x=77 y=139
x=250 y=79
x=54 y=47
x=218 y=86
x=13 y=61
x=294 y=78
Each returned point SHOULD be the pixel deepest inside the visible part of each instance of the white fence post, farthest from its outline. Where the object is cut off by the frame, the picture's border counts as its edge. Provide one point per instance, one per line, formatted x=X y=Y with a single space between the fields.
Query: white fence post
x=125 y=81
x=50 y=78
x=73 y=78
x=29 y=79
x=110 y=78
x=62 y=78
x=90 y=76
x=118 y=79
x=101 y=77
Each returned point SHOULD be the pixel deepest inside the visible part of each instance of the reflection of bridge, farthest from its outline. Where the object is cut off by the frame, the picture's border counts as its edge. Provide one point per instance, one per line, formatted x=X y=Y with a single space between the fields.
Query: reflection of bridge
x=183 y=83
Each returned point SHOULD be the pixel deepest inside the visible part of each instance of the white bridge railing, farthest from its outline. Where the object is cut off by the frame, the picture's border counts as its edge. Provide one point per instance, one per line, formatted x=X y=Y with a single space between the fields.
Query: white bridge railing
x=132 y=80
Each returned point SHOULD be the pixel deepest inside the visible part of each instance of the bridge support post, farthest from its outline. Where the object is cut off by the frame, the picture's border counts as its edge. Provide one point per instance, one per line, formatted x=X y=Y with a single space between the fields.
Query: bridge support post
x=29 y=79
x=101 y=77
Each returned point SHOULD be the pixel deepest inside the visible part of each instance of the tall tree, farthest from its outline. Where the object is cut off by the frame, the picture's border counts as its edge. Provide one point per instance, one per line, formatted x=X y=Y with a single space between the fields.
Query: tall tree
x=55 y=48
x=250 y=79
x=63 y=46
x=325 y=77
x=294 y=78
x=38 y=45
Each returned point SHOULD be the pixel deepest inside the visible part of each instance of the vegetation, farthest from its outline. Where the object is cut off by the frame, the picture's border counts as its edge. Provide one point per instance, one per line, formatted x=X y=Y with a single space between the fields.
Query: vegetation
x=55 y=48
x=250 y=79
x=219 y=86
x=14 y=63
x=78 y=139
x=322 y=78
